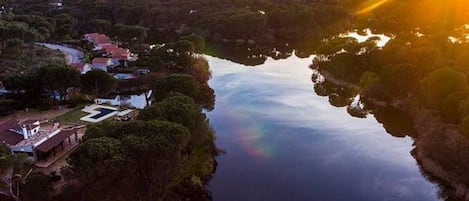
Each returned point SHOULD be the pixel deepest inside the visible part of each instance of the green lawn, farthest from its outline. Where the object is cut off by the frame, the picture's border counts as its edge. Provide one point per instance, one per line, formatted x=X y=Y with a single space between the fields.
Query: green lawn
x=72 y=117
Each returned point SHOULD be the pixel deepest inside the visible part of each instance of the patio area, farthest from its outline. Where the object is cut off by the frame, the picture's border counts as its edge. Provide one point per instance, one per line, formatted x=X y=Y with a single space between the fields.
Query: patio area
x=98 y=113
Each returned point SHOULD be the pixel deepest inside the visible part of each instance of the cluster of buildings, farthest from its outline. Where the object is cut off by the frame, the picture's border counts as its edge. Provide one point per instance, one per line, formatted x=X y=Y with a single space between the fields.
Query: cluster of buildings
x=39 y=141
x=111 y=54
x=45 y=142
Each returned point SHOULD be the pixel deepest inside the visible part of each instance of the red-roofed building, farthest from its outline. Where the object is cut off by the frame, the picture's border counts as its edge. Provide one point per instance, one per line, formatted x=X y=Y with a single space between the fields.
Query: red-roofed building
x=109 y=48
x=82 y=67
x=102 y=63
x=90 y=36
x=120 y=54
x=98 y=40
x=102 y=40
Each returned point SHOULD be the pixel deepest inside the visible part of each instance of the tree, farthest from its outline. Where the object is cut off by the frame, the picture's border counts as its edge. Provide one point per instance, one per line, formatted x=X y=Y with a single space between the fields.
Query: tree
x=144 y=154
x=129 y=33
x=149 y=159
x=15 y=82
x=65 y=25
x=201 y=70
x=14 y=44
x=14 y=169
x=98 y=163
x=464 y=126
x=198 y=41
x=97 y=82
x=450 y=107
x=26 y=87
x=100 y=25
x=56 y=78
x=176 y=57
x=157 y=157
x=206 y=97
x=175 y=108
x=37 y=187
x=17 y=33
x=438 y=85
x=180 y=83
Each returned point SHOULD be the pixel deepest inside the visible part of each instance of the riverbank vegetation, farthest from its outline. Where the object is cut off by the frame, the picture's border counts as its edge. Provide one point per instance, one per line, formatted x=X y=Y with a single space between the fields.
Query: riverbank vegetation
x=424 y=67
x=422 y=71
x=166 y=155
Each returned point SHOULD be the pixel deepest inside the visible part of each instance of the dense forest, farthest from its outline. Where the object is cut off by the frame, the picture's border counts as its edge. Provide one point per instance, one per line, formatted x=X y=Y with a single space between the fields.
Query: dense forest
x=258 y=21
x=422 y=71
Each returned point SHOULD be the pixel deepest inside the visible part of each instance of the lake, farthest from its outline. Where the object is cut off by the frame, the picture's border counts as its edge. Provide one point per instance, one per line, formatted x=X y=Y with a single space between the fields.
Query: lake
x=285 y=143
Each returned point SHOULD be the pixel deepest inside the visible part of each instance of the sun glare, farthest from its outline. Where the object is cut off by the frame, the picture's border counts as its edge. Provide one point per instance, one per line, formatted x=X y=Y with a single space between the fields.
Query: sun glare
x=370 y=6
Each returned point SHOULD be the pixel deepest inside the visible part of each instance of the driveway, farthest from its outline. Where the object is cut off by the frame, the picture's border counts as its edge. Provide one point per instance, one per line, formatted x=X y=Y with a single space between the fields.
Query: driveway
x=71 y=55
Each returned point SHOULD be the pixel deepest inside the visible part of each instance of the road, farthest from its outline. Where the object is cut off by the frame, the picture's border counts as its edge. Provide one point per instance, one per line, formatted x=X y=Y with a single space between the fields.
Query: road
x=71 y=55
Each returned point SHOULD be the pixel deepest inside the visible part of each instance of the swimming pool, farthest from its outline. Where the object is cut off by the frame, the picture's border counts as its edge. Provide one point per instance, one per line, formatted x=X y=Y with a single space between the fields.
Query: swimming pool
x=103 y=112
x=124 y=76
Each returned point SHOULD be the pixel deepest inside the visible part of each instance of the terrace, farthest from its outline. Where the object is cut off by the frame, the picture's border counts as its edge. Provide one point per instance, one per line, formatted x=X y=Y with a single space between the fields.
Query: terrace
x=98 y=113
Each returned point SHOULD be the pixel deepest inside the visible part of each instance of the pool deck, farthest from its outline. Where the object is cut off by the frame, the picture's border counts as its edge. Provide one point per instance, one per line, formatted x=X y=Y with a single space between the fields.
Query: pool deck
x=92 y=109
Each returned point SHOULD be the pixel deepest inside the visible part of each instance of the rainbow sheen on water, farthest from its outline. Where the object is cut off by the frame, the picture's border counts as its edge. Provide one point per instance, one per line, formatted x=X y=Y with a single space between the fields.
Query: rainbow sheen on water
x=283 y=142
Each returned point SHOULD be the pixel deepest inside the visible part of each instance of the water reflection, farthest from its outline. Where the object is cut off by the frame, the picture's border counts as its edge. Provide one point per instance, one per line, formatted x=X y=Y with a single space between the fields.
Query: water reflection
x=366 y=34
x=254 y=55
x=138 y=101
x=283 y=142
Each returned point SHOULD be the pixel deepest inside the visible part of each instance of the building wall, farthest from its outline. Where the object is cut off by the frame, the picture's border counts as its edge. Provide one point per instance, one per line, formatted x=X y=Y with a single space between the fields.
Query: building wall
x=34 y=131
x=23 y=149
x=102 y=67
x=86 y=68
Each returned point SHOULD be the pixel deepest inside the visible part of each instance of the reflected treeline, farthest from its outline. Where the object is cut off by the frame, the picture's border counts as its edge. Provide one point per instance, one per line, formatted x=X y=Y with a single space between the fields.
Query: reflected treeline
x=368 y=80
x=255 y=54
x=395 y=121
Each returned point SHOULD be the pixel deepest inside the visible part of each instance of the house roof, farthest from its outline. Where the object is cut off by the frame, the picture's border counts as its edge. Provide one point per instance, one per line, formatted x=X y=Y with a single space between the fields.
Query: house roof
x=109 y=49
x=121 y=50
x=102 y=39
x=101 y=60
x=55 y=140
x=29 y=121
x=120 y=53
x=91 y=35
x=121 y=57
x=110 y=46
x=7 y=136
x=79 y=66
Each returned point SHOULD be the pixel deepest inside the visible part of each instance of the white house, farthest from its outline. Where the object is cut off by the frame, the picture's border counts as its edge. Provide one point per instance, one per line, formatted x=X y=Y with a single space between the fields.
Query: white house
x=101 y=63
x=82 y=67
x=29 y=138
x=27 y=128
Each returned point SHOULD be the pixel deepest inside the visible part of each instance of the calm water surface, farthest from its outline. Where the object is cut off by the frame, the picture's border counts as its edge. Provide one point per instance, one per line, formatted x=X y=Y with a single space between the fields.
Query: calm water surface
x=284 y=143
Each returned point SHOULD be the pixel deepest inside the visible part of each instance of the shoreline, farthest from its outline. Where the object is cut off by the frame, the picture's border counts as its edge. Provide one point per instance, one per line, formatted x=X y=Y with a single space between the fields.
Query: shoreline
x=428 y=127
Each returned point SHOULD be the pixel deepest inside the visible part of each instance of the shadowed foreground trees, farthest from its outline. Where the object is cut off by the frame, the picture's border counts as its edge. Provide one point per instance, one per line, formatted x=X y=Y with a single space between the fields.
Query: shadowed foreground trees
x=59 y=79
x=51 y=81
x=97 y=82
x=169 y=148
